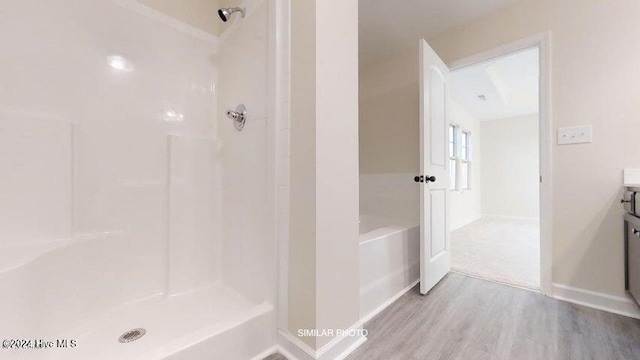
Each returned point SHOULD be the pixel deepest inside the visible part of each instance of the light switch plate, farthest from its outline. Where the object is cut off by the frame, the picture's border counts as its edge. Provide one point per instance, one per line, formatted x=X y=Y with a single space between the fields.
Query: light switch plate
x=575 y=135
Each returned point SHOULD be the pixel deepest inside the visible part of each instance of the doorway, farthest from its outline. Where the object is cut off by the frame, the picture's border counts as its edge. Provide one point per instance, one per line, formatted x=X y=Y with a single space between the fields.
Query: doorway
x=497 y=141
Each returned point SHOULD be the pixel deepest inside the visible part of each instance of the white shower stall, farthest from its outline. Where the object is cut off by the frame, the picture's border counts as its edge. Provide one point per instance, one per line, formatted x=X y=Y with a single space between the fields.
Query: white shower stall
x=129 y=203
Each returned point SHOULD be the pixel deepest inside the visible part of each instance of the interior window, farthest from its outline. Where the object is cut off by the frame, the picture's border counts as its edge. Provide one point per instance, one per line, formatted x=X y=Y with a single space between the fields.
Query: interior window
x=452 y=157
x=465 y=160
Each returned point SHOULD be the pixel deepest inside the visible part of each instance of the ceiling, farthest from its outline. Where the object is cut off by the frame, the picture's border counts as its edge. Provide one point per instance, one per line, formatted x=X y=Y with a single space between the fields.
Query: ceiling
x=509 y=85
x=389 y=25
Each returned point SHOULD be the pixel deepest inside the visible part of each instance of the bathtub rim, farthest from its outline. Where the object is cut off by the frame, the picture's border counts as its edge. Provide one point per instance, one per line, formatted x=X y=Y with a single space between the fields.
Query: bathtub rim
x=388 y=230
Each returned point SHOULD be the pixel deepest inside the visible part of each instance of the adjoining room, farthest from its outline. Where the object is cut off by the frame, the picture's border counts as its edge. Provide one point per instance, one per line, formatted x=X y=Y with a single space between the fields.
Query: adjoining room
x=494 y=165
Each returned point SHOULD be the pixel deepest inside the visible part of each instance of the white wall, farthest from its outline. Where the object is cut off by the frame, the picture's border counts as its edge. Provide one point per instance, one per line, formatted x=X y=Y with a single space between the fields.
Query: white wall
x=337 y=165
x=302 y=223
x=466 y=205
x=595 y=81
x=391 y=195
x=511 y=167
x=324 y=252
x=389 y=136
x=389 y=114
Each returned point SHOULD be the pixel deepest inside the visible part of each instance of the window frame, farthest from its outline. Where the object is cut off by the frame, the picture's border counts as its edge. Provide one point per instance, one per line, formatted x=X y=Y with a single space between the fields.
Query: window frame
x=457 y=158
x=453 y=185
x=467 y=160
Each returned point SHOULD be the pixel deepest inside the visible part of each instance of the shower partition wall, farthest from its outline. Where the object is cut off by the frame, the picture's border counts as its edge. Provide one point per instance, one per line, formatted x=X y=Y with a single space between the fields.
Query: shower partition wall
x=128 y=200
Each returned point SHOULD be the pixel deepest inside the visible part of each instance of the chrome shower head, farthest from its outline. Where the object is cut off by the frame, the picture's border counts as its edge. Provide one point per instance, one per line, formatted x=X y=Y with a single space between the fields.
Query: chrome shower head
x=225 y=13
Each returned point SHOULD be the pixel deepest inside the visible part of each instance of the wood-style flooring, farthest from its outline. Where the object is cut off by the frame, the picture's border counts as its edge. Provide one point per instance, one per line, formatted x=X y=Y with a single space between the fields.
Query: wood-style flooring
x=465 y=318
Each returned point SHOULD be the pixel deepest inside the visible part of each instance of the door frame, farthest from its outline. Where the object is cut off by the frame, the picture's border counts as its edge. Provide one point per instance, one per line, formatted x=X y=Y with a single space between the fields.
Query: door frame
x=543 y=42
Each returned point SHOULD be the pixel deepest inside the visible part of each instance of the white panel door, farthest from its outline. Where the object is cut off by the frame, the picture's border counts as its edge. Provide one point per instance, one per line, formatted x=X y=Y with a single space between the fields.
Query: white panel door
x=435 y=259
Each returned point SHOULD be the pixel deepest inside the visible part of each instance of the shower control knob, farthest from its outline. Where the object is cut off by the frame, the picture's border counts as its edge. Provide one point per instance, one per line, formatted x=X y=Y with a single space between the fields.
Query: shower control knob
x=239 y=116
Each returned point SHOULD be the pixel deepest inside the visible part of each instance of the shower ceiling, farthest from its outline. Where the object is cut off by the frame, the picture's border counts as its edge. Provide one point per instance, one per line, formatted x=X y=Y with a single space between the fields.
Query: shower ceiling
x=387 y=25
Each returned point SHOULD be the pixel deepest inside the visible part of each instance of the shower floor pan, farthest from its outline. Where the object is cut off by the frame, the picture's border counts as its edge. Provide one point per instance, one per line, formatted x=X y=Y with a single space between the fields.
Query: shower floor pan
x=215 y=322
x=46 y=297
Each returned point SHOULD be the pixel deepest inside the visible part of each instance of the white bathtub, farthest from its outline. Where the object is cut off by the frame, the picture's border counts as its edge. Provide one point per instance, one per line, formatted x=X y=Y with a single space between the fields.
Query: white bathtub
x=389 y=261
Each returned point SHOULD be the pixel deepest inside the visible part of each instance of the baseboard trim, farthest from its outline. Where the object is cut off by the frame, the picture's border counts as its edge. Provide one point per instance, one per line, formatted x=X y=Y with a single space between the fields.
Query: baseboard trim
x=272 y=350
x=341 y=347
x=596 y=300
x=365 y=319
x=337 y=349
x=293 y=348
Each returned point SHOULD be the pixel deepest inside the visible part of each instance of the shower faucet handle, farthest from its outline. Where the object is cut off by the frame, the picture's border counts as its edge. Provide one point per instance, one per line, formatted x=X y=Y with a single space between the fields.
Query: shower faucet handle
x=239 y=116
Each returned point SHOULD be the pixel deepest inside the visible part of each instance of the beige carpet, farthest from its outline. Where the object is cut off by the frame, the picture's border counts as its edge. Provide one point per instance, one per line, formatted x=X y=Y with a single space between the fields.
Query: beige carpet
x=499 y=249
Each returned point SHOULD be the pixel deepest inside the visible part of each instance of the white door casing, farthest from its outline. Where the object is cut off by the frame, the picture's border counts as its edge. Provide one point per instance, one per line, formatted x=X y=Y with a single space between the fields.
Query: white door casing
x=435 y=256
x=543 y=42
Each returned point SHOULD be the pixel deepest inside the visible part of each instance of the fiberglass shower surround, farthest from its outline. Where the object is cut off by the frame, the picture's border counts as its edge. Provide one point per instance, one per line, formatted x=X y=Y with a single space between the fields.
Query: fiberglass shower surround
x=134 y=212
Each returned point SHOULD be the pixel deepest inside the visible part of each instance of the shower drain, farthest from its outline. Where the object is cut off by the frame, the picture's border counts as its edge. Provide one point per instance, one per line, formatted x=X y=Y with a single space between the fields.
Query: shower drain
x=132 y=335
